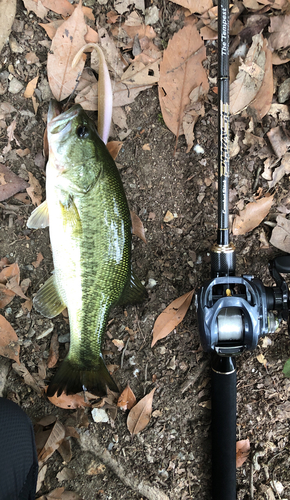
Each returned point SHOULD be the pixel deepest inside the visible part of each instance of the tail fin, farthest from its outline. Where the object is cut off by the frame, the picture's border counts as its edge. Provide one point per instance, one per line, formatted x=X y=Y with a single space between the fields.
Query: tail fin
x=72 y=378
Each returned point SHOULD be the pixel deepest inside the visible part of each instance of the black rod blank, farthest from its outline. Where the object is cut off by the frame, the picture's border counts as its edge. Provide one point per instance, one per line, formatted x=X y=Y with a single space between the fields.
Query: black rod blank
x=224 y=121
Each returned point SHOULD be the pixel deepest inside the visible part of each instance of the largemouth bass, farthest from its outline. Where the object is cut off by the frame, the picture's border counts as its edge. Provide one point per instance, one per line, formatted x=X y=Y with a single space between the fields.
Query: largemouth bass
x=90 y=233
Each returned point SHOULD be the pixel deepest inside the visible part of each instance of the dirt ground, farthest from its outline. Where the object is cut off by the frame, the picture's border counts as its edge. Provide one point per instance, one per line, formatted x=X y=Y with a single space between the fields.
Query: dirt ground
x=173 y=453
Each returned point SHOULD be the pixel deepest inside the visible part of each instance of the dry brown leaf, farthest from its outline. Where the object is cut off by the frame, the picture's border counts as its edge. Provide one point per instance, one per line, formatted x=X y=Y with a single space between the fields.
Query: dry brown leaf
x=39 y=259
x=65 y=449
x=10 y=183
x=140 y=74
x=8 y=272
x=53 y=442
x=111 y=53
x=13 y=285
x=279 y=140
x=119 y=344
x=23 y=152
x=280 y=32
x=6 y=296
x=68 y=40
x=50 y=28
x=53 y=351
x=171 y=317
x=252 y=215
x=263 y=99
x=7 y=15
x=33 y=381
x=30 y=88
x=250 y=76
x=69 y=401
x=112 y=17
x=137 y=226
x=34 y=190
x=242 y=451
x=114 y=148
x=62 y=7
x=280 y=237
x=37 y=7
x=127 y=399
x=198 y=6
x=9 y=347
x=11 y=137
x=139 y=415
x=279 y=172
x=181 y=72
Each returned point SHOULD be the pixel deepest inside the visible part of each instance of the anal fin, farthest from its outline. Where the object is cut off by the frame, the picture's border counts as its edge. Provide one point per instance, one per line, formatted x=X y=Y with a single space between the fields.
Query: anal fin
x=47 y=301
x=39 y=218
x=134 y=292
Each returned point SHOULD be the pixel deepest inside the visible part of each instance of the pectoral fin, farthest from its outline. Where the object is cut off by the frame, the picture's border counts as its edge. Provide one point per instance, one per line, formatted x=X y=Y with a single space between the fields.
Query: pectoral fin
x=134 y=292
x=47 y=301
x=71 y=216
x=39 y=218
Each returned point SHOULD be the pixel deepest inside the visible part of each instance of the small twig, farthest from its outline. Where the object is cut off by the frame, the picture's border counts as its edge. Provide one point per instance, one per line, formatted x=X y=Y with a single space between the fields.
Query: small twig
x=192 y=378
x=123 y=352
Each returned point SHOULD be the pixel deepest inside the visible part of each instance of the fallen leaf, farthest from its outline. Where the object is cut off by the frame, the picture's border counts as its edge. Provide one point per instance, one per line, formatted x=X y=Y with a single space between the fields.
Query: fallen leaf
x=146 y=147
x=171 y=317
x=280 y=237
x=263 y=100
x=168 y=216
x=39 y=259
x=10 y=184
x=13 y=285
x=280 y=171
x=139 y=415
x=9 y=347
x=53 y=351
x=199 y=6
x=7 y=15
x=280 y=32
x=181 y=71
x=33 y=381
x=252 y=215
x=114 y=148
x=40 y=479
x=250 y=76
x=65 y=448
x=261 y=358
x=34 y=190
x=54 y=440
x=23 y=152
x=127 y=399
x=112 y=17
x=279 y=140
x=242 y=451
x=69 y=401
x=11 y=137
x=68 y=40
x=139 y=73
x=30 y=88
x=118 y=343
x=6 y=296
x=66 y=474
x=37 y=7
x=279 y=111
x=62 y=7
x=111 y=53
x=137 y=226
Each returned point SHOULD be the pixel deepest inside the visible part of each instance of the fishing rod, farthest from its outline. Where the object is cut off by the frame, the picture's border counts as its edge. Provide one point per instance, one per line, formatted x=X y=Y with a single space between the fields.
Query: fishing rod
x=233 y=311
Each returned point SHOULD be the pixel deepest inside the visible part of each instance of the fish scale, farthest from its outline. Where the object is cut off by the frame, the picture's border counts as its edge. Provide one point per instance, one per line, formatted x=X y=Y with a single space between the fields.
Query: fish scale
x=90 y=232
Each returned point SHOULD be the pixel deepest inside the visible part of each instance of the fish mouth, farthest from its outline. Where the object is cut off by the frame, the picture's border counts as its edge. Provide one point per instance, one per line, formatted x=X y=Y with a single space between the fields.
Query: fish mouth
x=61 y=122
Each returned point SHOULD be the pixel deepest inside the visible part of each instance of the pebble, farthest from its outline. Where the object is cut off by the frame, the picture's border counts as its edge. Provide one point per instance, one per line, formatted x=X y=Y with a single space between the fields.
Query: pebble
x=14 y=46
x=15 y=86
x=284 y=91
x=151 y=15
x=65 y=337
x=99 y=415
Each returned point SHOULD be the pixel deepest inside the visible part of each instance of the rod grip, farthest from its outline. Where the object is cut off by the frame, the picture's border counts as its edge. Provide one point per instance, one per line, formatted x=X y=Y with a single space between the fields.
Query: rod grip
x=224 y=394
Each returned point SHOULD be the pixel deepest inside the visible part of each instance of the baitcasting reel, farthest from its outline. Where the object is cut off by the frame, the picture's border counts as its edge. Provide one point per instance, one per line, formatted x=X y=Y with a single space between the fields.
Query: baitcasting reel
x=234 y=312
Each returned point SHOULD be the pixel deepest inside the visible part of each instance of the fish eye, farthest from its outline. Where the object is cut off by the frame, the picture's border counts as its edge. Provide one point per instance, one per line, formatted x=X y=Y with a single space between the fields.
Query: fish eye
x=82 y=132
